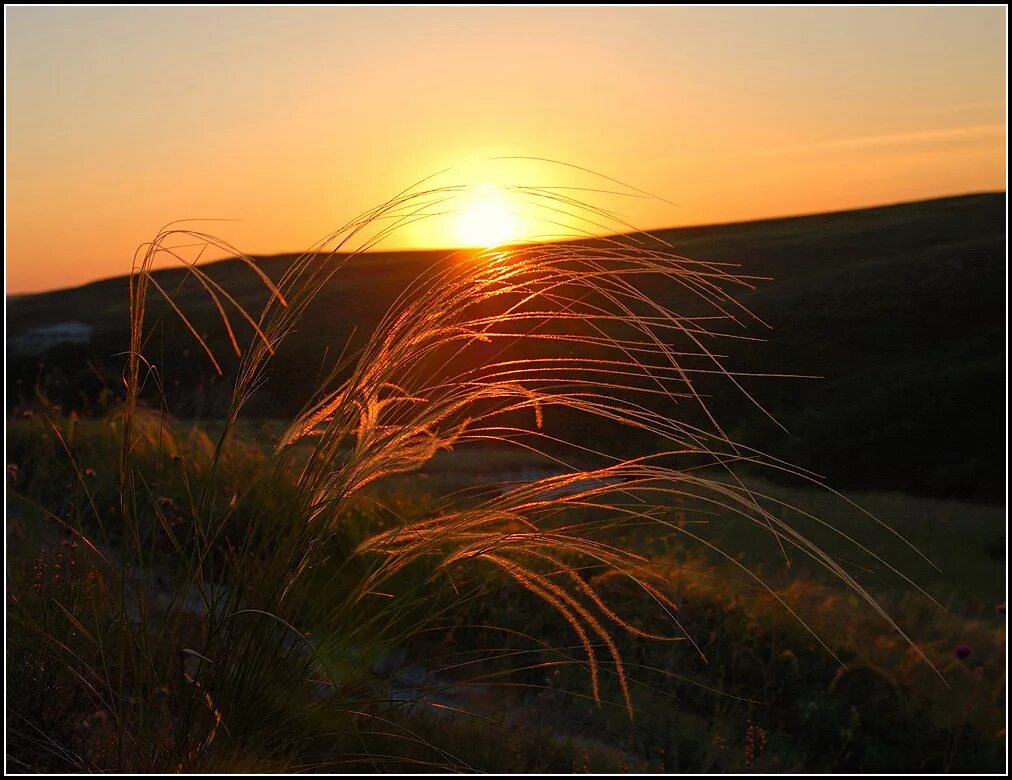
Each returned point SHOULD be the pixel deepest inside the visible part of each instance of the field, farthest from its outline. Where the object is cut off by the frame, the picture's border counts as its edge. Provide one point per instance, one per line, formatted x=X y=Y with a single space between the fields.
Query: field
x=513 y=695
x=195 y=589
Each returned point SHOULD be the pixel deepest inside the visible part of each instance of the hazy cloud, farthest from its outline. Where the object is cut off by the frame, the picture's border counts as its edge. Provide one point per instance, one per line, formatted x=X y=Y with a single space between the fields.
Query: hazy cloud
x=919 y=138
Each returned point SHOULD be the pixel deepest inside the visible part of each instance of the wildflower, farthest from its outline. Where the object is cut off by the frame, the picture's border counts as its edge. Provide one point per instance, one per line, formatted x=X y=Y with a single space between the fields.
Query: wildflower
x=961 y=651
x=39 y=572
x=755 y=744
x=89 y=472
x=71 y=546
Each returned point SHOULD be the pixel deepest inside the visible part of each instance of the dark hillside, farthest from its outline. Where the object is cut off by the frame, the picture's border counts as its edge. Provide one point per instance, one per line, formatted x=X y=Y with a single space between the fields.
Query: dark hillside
x=899 y=309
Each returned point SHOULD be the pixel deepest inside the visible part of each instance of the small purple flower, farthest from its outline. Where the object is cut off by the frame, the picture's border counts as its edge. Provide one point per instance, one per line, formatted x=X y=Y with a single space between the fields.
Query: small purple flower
x=961 y=651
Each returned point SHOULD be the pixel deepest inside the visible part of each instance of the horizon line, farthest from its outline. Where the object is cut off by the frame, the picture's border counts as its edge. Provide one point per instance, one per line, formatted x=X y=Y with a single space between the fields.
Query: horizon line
x=647 y=231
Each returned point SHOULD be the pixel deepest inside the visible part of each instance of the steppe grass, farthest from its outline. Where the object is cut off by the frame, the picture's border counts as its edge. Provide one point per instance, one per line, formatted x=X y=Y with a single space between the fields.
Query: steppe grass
x=203 y=604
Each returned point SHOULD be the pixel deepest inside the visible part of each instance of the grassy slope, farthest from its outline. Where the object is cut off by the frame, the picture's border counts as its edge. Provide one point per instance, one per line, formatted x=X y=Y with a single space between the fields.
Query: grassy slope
x=898 y=308
x=885 y=711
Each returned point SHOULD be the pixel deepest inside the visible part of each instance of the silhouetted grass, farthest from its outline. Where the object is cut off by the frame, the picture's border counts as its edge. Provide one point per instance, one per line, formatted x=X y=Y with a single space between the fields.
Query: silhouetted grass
x=231 y=609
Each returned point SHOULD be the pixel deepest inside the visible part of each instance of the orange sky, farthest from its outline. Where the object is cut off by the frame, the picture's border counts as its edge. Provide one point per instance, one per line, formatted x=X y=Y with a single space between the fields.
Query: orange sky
x=294 y=120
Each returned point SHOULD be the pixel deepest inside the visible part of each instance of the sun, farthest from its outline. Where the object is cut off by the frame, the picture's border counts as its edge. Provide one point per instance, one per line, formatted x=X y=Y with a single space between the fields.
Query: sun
x=486 y=221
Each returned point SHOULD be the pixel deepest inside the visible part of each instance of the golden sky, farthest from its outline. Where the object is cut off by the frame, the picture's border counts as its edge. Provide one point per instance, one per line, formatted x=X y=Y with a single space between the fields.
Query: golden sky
x=292 y=121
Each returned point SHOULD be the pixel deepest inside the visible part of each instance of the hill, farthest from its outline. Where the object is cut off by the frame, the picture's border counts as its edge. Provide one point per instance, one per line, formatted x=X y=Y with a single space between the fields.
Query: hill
x=900 y=310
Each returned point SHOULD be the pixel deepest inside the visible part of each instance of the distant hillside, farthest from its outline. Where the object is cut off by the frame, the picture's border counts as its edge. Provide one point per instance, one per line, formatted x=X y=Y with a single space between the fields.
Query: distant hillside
x=899 y=308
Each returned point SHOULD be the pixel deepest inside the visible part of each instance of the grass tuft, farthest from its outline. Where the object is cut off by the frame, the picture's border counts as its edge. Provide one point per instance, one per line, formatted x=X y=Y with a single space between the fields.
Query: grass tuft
x=231 y=607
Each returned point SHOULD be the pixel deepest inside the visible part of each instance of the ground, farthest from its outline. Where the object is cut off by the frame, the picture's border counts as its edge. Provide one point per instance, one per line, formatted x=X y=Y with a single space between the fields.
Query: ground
x=787 y=669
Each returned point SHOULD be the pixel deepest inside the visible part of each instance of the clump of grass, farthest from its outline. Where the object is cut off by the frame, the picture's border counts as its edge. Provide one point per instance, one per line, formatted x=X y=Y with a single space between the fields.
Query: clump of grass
x=240 y=623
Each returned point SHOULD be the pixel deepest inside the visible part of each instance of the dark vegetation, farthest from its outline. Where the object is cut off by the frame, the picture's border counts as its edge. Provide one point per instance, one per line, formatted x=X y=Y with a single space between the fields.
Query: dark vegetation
x=498 y=683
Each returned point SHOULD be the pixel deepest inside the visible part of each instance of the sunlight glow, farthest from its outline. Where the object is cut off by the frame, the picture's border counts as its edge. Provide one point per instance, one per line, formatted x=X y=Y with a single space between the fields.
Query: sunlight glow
x=486 y=221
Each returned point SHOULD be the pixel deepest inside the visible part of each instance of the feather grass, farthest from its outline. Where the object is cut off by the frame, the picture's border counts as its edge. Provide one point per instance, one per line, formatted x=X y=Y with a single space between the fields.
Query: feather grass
x=488 y=346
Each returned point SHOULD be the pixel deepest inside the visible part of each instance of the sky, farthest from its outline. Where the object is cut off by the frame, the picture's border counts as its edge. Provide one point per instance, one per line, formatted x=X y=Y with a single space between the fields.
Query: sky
x=289 y=122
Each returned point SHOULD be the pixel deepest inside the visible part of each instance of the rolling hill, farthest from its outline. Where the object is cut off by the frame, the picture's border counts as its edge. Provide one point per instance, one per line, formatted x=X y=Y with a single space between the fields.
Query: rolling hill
x=899 y=309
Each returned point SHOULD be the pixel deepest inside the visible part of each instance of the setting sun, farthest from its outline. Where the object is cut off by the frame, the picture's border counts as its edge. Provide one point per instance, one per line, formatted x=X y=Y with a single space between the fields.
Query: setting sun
x=486 y=222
